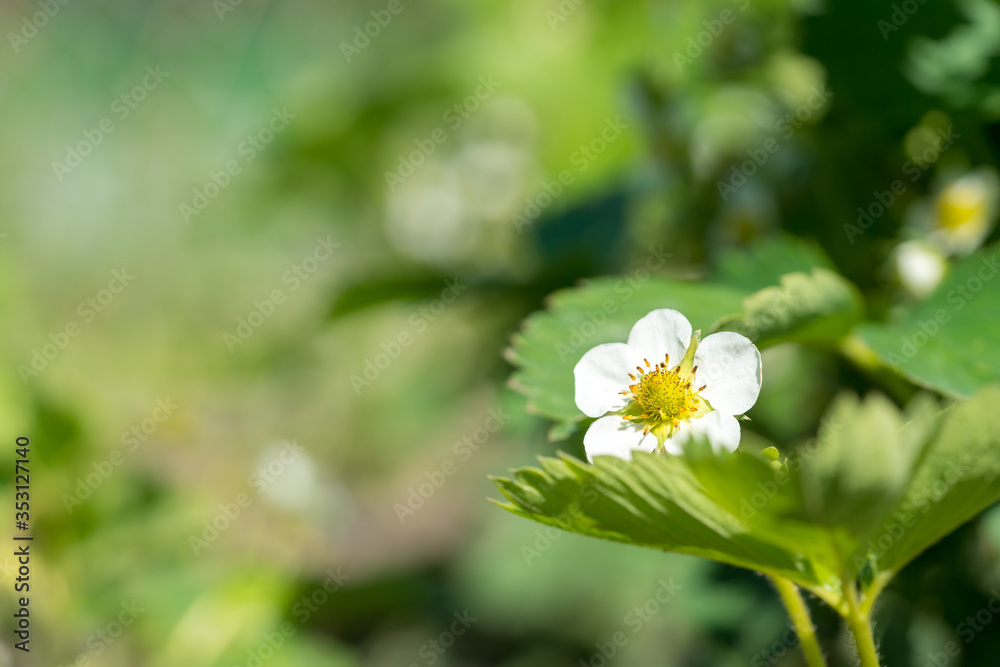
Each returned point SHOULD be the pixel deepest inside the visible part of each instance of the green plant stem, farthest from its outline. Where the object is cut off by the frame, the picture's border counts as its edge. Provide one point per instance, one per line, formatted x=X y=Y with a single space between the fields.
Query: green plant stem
x=865 y=359
x=799 y=613
x=861 y=628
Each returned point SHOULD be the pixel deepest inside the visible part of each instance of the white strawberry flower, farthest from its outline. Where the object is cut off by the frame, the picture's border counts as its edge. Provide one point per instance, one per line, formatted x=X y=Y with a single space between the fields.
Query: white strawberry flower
x=966 y=210
x=642 y=401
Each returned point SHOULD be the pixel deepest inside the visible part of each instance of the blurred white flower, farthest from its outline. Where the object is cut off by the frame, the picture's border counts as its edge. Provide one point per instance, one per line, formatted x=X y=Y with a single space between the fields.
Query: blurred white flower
x=919 y=267
x=427 y=217
x=663 y=407
x=965 y=211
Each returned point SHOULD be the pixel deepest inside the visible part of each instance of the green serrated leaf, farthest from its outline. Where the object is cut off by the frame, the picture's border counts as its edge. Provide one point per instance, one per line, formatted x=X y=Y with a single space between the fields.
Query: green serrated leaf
x=949 y=342
x=870 y=494
x=820 y=306
x=687 y=505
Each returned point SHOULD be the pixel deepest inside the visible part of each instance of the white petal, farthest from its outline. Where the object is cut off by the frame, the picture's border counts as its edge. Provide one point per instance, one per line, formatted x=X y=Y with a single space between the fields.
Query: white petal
x=661 y=332
x=730 y=365
x=600 y=375
x=616 y=437
x=720 y=429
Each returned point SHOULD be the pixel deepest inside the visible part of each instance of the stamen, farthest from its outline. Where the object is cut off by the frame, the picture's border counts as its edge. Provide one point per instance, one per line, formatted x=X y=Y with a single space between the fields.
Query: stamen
x=702 y=387
x=662 y=397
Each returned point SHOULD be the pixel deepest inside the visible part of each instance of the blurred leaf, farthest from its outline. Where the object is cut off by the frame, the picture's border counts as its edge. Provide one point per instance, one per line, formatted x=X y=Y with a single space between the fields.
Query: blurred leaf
x=859 y=472
x=587 y=238
x=602 y=311
x=821 y=306
x=366 y=294
x=958 y=476
x=765 y=262
x=966 y=307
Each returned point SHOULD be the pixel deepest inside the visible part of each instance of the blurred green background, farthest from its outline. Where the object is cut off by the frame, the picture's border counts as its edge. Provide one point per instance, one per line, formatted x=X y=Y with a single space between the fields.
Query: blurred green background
x=259 y=263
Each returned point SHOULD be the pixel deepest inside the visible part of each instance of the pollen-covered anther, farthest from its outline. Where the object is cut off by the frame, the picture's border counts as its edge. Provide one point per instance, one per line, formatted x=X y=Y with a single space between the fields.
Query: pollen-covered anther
x=663 y=396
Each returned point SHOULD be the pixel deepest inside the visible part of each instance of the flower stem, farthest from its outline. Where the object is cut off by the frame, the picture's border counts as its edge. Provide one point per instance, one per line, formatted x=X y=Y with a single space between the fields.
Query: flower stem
x=799 y=613
x=860 y=624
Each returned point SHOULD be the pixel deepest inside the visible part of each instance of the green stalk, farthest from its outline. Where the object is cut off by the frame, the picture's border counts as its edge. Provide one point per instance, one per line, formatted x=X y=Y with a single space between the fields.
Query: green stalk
x=859 y=621
x=868 y=362
x=799 y=613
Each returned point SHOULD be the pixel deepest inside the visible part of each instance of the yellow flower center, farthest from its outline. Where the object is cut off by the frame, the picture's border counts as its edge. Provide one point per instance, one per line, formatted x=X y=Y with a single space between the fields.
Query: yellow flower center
x=959 y=206
x=662 y=397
